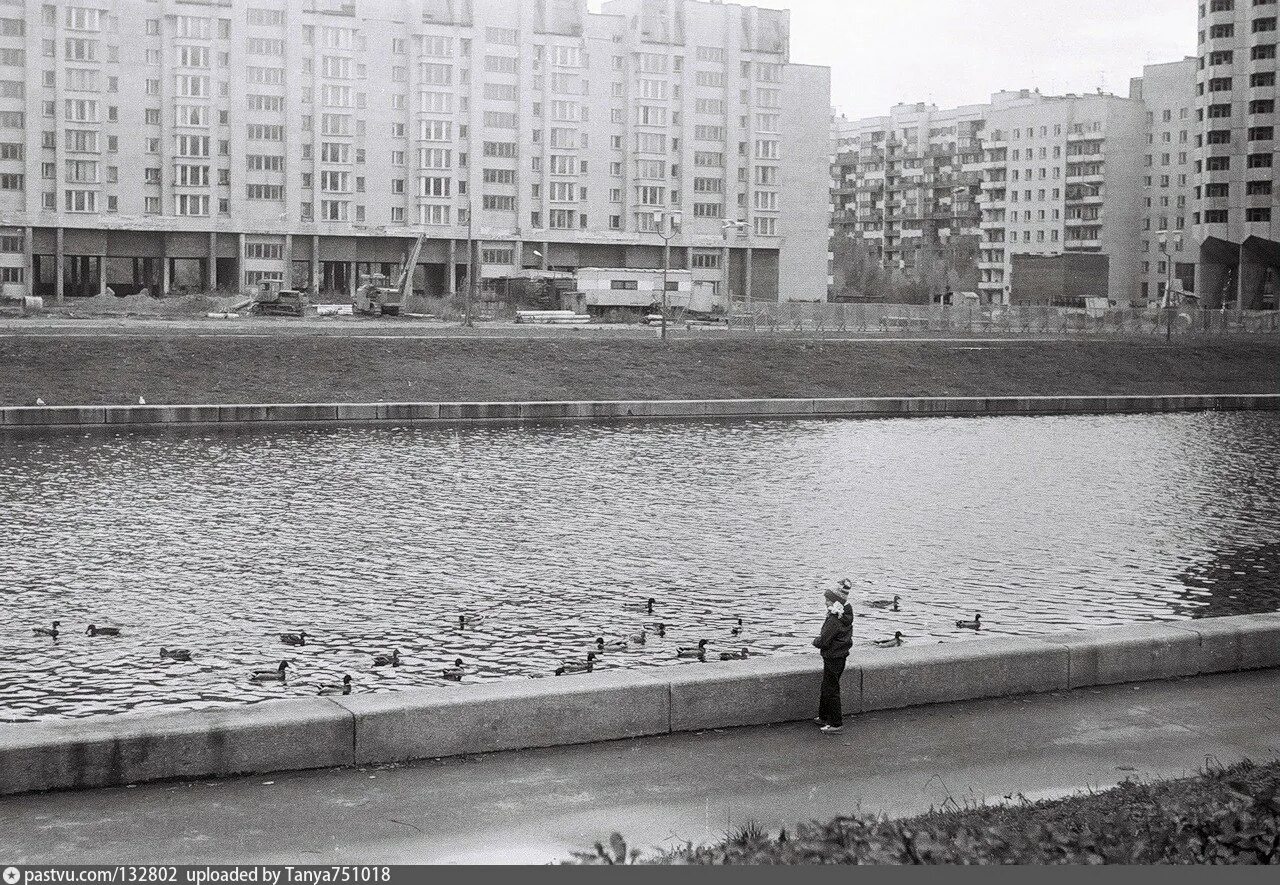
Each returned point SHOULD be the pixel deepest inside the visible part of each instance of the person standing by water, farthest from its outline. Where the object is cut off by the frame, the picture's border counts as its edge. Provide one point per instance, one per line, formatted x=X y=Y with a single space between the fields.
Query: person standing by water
x=834 y=641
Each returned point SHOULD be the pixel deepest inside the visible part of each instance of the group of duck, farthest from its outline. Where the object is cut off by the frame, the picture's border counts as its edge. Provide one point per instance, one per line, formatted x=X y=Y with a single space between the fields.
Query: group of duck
x=275 y=674
x=586 y=664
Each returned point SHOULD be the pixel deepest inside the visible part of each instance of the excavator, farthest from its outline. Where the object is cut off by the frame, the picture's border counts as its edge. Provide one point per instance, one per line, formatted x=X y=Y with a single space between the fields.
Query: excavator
x=375 y=298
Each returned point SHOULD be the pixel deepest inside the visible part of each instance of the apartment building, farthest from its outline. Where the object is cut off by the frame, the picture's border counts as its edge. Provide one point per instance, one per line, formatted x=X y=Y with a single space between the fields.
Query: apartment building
x=157 y=144
x=1236 y=221
x=1169 y=248
x=971 y=187
x=905 y=188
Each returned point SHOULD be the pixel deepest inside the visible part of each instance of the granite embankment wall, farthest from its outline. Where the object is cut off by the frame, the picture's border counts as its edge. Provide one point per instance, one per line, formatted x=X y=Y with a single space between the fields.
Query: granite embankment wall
x=849 y=407
x=427 y=723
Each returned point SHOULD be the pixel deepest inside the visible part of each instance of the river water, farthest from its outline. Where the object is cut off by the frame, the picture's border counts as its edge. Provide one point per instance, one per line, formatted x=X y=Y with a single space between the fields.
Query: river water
x=373 y=539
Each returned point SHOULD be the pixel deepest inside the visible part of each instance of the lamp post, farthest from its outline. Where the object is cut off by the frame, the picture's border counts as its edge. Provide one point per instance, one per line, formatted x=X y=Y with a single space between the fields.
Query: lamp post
x=668 y=224
x=741 y=227
x=1168 y=277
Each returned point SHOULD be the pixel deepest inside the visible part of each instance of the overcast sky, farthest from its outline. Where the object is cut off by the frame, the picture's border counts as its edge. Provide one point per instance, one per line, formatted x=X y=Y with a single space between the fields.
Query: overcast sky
x=953 y=52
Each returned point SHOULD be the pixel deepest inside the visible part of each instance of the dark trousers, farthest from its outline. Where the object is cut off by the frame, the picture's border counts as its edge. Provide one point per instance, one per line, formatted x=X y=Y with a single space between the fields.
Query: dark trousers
x=829 y=699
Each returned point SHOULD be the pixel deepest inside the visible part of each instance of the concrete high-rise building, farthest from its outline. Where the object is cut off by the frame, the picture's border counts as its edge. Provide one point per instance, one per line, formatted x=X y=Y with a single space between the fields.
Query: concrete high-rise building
x=1026 y=174
x=159 y=143
x=1169 y=248
x=1062 y=174
x=906 y=190
x=1236 y=222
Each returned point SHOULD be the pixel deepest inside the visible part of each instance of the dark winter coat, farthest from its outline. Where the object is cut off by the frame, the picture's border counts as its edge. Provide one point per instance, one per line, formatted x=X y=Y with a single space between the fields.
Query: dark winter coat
x=836 y=637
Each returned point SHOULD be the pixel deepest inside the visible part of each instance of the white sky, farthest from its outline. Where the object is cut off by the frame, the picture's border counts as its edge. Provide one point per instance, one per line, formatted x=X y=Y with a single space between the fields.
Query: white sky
x=953 y=52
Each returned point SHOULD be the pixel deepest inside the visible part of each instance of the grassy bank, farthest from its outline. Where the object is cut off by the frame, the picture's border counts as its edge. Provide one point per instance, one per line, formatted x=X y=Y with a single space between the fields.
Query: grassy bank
x=1227 y=816
x=178 y=367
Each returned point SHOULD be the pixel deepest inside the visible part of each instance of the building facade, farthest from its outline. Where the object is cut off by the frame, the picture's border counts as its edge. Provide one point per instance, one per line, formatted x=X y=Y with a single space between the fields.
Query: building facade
x=159 y=144
x=964 y=190
x=1170 y=250
x=906 y=188
x=1236 y=222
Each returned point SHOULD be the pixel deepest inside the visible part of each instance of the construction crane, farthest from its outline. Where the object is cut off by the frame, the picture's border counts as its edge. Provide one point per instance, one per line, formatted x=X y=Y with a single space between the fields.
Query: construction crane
x=376 y=298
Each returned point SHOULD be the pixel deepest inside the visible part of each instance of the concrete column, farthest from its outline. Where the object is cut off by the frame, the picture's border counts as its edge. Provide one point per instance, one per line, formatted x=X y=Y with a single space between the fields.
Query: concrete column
x=546 y=254
x=351 y=280
x=211 y=272
x=288 y=261
x=451 y=275
x=315 y=264
x=102 y=275
x=29 y=260
x=240 y=263
x=164 y=276
x=59 y=266
x=517 y=254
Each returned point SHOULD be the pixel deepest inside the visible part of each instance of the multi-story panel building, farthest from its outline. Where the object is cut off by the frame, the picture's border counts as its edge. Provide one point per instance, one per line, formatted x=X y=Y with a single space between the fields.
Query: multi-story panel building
x=1169 y=251
x=1236 y=221
x=1061 y=174
x=905 y=190
x=166 y=143
x=1025 y=174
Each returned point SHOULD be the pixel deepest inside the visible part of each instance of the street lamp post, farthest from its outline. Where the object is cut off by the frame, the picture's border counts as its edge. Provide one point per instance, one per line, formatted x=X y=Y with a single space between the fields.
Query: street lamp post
x=472 y=270
x=741 y=227
x=668 y=224
x=1168 y=277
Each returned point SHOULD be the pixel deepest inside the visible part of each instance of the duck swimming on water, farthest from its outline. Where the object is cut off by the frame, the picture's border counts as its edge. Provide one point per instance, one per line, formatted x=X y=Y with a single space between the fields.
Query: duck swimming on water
x=577 y=666
x=94 y=630
x=276 y=675
x=975 y=624
x=612 y=645
x=51 y=632
x=697 y=651
x=735 y=655
x=456 y=672
x=299 y=638
x=891 y=604
x=344 y=688
x=896 y=640
x=175 y=654
x=391 y=660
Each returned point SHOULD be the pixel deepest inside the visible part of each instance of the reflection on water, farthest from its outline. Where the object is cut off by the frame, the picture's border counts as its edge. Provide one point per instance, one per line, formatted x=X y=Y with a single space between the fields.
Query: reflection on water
x=374 y=539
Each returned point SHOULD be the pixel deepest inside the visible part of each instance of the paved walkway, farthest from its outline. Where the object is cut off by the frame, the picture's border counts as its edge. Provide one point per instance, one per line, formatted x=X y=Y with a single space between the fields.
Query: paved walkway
x=534 y=806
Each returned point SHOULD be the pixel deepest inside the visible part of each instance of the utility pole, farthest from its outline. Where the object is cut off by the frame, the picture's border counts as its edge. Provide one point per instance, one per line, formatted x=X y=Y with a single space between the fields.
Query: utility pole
x=724 y=229
x=1168 y=276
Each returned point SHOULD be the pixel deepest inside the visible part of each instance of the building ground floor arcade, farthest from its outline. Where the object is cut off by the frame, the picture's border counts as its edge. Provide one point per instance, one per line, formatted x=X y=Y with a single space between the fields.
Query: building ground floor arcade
x=69 y=262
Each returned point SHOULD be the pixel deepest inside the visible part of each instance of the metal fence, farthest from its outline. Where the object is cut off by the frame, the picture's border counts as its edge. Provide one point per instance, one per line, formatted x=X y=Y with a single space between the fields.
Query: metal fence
x=908 y=319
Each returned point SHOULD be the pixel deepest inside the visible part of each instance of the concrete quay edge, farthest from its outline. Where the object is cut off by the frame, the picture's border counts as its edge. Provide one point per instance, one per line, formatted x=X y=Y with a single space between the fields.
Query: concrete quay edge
x=516 y=714
x=606 y=410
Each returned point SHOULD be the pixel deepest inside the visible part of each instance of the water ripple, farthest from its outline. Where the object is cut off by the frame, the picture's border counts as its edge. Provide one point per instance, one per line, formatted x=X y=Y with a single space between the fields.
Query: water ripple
x=216 y=540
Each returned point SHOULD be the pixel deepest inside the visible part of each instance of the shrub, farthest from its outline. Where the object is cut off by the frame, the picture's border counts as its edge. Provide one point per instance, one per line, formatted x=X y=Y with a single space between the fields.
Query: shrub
x=1223 y=816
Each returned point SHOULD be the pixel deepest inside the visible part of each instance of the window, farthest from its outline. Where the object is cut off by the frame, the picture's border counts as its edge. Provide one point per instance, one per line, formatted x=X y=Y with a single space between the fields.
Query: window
x=499 y=149
x=1262 y=213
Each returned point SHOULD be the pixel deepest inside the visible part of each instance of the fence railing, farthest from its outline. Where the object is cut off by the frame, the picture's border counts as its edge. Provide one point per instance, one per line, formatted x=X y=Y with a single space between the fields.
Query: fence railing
x=995 y=319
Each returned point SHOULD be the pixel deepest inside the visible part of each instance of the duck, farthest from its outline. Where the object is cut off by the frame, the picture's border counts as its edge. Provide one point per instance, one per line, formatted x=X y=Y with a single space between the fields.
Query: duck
x=697 y=651
x=737 y=628
x=647 y=605
x=48 y=631
x=577 y=666
x=344 y=688
x=456 y=672
x=612 y=645
x=175 y=654
x=889 y=643
x=975 y=624
x=735 y=655
x=660 y=629
x=94 y=630
x=39 y=402
x=141 y=401
x=299 y=638
x=391 y=660
x=276 y=675
x=465 y=621
x=639 y=638
x=891 y=604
